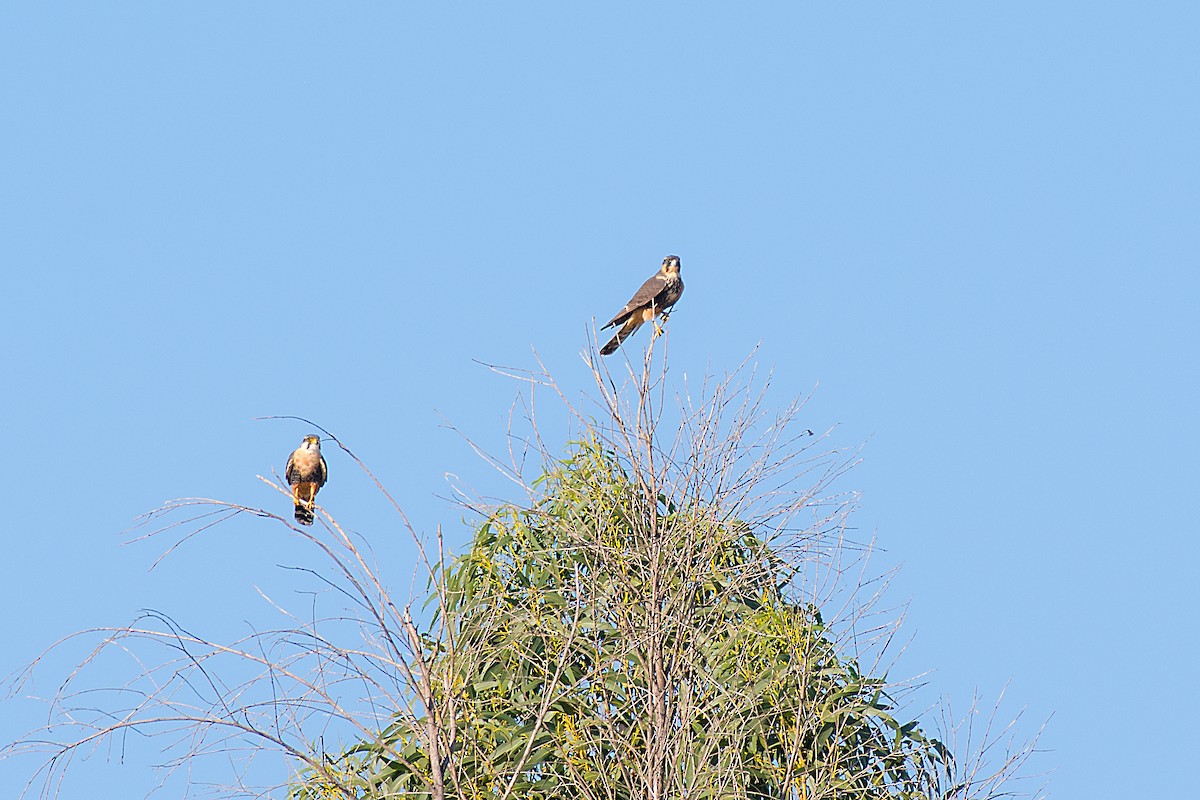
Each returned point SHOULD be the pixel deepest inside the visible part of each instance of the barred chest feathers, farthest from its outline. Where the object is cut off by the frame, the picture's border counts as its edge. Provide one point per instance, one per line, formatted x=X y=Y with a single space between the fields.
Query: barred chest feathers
x=671 y=292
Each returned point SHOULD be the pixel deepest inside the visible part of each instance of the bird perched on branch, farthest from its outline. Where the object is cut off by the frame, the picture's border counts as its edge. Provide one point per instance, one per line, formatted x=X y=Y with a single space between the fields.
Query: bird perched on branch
x=306 y=473
x=655 y=298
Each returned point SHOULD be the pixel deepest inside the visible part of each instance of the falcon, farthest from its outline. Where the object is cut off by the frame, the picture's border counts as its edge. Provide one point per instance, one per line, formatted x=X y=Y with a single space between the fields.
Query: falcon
x=661 y=291
x=306 y=473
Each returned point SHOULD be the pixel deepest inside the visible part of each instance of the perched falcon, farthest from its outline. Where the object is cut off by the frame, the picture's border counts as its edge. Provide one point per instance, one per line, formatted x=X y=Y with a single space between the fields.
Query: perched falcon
x=306 y=473
x=656 y=297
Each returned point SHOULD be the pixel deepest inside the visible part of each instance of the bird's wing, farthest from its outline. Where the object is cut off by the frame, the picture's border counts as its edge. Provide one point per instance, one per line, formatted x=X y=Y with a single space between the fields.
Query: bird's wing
x=324 y=472
x=290 y=469
x=644 y=297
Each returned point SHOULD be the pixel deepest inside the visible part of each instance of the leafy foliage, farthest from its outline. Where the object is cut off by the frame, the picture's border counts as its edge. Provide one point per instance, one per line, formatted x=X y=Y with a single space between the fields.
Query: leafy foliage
x=611 y=641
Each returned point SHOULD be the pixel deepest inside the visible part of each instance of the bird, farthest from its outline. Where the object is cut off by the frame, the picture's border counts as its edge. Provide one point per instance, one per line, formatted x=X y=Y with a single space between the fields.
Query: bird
x=306 y=472
x=661 y=291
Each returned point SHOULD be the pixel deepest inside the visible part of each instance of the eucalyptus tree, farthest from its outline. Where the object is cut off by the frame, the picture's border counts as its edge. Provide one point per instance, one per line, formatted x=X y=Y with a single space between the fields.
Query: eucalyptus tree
x=672 y=608
x=607 y=643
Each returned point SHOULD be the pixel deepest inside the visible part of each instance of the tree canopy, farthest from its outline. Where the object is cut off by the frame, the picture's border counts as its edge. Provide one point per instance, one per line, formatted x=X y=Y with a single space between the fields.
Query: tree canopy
x=603 y=642
x=659 y=617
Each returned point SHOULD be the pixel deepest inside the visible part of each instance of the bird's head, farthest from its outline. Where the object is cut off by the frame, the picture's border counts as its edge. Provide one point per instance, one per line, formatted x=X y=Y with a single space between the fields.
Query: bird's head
x=670 y=265
x=311 y=442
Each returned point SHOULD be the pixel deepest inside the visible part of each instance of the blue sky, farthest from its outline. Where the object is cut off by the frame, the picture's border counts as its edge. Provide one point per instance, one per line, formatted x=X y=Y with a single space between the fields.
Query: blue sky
x=973 y=227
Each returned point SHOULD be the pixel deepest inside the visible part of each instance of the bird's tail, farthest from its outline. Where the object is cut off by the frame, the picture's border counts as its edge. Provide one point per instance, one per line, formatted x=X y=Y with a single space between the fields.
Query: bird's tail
x=304 y=513
x=622 y=334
